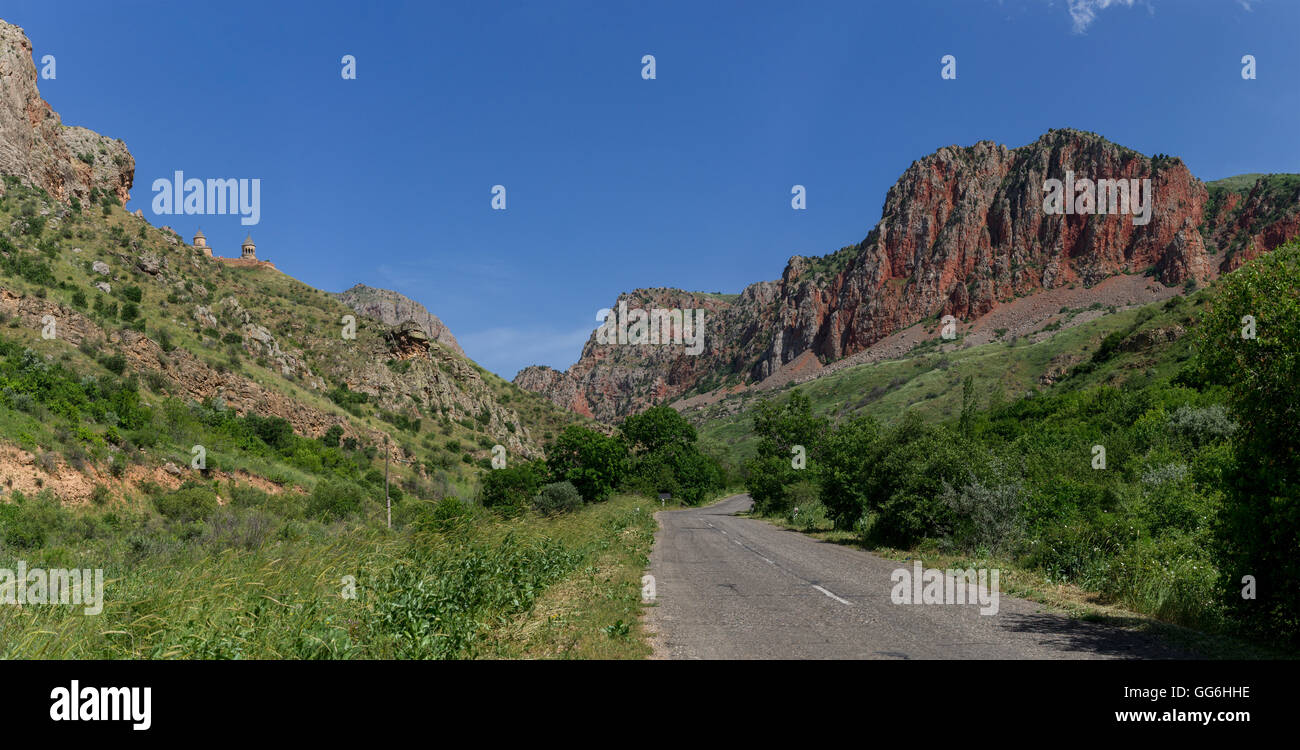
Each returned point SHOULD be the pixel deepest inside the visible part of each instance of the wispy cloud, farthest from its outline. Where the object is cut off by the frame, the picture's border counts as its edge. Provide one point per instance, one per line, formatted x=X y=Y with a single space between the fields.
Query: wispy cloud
x=1084 y=12
x=506 y=350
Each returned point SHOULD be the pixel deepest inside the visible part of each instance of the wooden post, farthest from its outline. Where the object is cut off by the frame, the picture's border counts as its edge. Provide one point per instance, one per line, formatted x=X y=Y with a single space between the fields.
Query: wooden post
x=387 y=503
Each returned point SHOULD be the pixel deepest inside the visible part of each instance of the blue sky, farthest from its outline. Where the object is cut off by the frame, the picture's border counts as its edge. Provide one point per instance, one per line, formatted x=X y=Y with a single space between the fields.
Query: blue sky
x=615 y=182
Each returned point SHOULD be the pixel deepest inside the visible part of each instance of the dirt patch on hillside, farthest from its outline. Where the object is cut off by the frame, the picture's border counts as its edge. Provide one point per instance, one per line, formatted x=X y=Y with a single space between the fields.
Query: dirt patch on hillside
x=29 y=473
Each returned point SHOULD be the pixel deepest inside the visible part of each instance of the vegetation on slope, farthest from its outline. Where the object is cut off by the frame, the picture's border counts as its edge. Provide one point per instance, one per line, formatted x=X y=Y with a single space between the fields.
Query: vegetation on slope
x=1157 y=478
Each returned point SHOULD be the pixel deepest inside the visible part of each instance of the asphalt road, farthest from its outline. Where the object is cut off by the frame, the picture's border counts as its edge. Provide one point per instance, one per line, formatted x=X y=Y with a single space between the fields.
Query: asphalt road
x=740 y=588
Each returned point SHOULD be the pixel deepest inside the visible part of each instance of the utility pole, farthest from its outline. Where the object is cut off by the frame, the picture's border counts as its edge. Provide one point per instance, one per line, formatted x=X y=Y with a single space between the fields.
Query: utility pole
x=388 y=503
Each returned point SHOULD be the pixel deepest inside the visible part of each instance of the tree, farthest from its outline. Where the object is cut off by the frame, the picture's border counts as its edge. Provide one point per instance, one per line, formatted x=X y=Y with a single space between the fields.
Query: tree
x=1257 y=358
x=592 y=462
x=780 y=427
x=785 y=431
x=667 y=457
x=657 y=427
x=844 y=467
x=332 y=436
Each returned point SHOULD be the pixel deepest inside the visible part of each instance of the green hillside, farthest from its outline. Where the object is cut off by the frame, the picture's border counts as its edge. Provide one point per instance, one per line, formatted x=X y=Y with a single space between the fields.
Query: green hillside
x=929 y=383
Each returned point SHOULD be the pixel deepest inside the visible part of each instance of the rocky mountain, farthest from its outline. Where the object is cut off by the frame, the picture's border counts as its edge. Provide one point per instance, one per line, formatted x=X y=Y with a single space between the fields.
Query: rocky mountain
x=35 y=146
x=107 y=315
x=392 y=309
x=963 y=231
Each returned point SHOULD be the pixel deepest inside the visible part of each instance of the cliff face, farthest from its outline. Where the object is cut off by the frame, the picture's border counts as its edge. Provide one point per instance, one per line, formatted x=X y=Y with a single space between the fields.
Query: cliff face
x=391 y=309
x=558 y=386
x=36 y=147
x=962 y=231
x=1246 y=221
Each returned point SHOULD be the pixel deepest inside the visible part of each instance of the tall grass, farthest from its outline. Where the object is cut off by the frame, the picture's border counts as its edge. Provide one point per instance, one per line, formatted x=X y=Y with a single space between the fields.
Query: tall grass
x=442 y=587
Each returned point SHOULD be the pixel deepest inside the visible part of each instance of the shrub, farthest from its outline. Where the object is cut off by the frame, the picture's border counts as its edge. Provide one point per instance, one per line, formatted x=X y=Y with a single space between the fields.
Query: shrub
x=25 y=523
x=186 y=504
x=557 y=497
x=447 y=513
x=511 y=489
x=1203 y=425
x=331 y=501
x=242 y=528
x=987 y=517
x=100 y=495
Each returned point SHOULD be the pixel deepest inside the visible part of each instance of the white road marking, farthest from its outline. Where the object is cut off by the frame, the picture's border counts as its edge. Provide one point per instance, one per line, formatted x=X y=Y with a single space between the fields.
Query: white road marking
x=836 y=598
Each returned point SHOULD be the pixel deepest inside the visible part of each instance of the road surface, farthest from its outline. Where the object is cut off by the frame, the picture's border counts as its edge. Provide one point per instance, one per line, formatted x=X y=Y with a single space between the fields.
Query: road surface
x=740 y=588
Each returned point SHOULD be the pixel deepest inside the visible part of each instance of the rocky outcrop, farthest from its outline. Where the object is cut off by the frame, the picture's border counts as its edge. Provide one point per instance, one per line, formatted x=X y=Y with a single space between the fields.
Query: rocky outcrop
x=35 y=145
x=1243 y=224
x=260 y=342
x=407 y=341
x=963 y=231
x=391 y=309
x=561 y=389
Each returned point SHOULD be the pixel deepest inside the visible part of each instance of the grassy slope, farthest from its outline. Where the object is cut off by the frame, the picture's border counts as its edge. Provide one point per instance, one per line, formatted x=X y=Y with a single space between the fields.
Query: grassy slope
x=301 y=318
x=931 y=383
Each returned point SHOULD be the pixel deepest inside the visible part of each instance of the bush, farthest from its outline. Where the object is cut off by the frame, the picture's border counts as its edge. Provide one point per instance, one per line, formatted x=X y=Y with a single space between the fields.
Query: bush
x=557 y=497
x=511 y=489
x=187 y=504
x=331 y=501
x=987 y=518
x=26 y=523
x=1203 y=425
x=447 y=513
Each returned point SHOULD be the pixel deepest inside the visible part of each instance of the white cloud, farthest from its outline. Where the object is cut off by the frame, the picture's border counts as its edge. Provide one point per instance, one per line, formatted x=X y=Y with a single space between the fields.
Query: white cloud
x=1084 y=12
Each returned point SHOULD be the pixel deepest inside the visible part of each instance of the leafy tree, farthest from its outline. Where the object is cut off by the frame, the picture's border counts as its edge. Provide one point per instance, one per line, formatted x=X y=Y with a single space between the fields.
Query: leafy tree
x=332 y=436
x=1259 y=530
x=667 y=457
x=844 y=468
x=657 y=427
x=780 y=429
x=512 y=488
x=593 y=462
